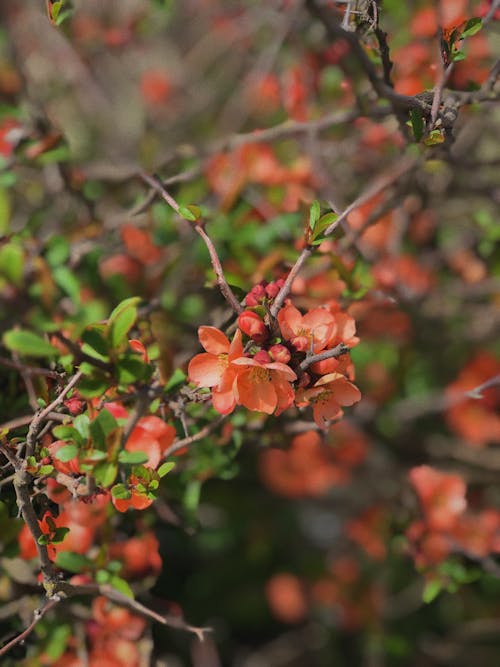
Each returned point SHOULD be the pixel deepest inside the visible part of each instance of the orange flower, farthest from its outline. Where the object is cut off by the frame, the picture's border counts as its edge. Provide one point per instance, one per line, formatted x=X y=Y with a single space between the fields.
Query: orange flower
x=214 y=368
x=327 y=396
x=442 y=496
x=313 y=330
x=263 y=385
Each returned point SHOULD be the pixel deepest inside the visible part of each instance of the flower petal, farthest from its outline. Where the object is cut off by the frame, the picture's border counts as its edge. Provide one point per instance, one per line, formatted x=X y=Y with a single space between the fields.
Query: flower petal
x=256 y=395
x=206 y=370
x=213 y=340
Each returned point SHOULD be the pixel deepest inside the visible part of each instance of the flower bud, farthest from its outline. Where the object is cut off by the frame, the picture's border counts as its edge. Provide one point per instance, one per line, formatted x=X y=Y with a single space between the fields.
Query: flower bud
x=262 y=357
x=252 y=325
x=280 y=353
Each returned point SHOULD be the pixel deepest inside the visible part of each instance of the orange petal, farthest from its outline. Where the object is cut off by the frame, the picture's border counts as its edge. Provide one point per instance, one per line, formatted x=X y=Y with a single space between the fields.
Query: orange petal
x=254 y=395
x=213 y=340
x=206 y=370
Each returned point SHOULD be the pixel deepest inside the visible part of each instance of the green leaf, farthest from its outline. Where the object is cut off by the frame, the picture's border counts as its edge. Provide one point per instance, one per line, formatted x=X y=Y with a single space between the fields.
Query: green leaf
x=191 y=213
x=457 y=56
x=28 y=343
x=95 y=343
x=57 y=251
x=132 y=458
x=59 y=534
x=121 y=321
x=43 y=540
x=105 y=473
x=55 y=8
x=102 y=426
x=66 y=280
x=131 y=369
x=122 y=586
x=178 y=377
x=417 y=123
x=120 y=491
x=63 y=432
x=81 y=423
x=66 y=453
x=73 y=562
x=59 y=637
x=91 y=387
x=12 y=262
x=472 y=27
x=165 y=468
x=431 y=590
x=45 y=470
x=4 y=211
x=314 y=214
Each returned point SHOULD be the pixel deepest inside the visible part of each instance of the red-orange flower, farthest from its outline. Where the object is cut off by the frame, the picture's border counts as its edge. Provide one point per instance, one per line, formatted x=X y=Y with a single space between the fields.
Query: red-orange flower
x=263 y=385
x=214 y=368
x=310 y=331
x=327 y=396
x=442 y=496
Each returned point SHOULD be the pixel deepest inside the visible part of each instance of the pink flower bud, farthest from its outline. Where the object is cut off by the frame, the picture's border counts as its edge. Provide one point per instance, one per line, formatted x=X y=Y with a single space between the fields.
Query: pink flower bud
x=252 y=325
x=272 y=290
x=280 y=353
x=262 y=357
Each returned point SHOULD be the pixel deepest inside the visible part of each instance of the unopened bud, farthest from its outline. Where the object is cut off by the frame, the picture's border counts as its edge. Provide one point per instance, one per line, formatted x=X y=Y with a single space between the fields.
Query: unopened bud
x=252 y=325
x=280 y=353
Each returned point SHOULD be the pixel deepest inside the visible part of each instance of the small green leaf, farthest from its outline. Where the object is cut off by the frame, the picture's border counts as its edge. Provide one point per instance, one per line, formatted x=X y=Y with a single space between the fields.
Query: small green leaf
x=120 y=491
x=45 y=470
x=431 y=590
x=12 y=262
x=81 y=423
x=28 y=343
x=68 y=433
x=131 y=369
x=314 y=214
x=457 y=56
x=102 y=426
x=121 y=321
x=91 y=387
x=66 y=453
x=178 y=377
x=417 y=123
x=95 y=343
x=73 y=562
x=472 y=27
x=66 y=280
x=132 y=458
x=165 y=468
x=43 y=540
x=105 y=473
x=59 y=534
x=122 y=586
x=191 y=213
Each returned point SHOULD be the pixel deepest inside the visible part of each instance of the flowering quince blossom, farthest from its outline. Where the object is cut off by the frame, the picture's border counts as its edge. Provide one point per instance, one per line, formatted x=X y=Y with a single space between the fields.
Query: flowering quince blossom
x=263 y=385
x=214 y=368
x=311 y=331
x=327 y=396
x=442 y=496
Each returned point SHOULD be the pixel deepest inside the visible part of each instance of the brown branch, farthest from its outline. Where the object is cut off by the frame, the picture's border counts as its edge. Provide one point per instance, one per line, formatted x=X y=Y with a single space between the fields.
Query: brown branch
x=27 y=419
x=65 y=589
x=335 y=352
x=29 y=370
x=379 y=184
x=36 y=424
x=185 y=442
x=38 y=614
x=334 y=30
x=226 y=291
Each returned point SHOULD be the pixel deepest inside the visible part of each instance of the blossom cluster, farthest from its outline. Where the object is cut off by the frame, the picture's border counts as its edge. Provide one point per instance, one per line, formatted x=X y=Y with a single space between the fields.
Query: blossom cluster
x=272 y=363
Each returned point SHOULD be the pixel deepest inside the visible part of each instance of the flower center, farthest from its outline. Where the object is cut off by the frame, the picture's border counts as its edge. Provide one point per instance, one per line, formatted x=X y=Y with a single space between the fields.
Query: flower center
x=258 y=375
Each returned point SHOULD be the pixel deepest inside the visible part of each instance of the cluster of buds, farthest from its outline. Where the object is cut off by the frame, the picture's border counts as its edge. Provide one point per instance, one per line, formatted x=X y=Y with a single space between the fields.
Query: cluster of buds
x=273 y=363
x=263 y=292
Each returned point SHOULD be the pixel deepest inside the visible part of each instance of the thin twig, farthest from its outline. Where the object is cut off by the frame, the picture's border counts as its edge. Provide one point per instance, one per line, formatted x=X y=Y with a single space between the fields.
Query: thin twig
x=38 y=614
x=40 y=416
x=226 y=291
x=185 y=442
x=333 y=353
